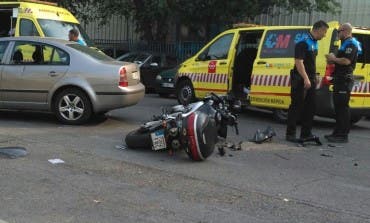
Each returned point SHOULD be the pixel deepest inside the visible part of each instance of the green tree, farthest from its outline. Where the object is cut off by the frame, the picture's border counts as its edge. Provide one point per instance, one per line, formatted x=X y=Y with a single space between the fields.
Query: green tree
x=207 y=12
x=154 y=17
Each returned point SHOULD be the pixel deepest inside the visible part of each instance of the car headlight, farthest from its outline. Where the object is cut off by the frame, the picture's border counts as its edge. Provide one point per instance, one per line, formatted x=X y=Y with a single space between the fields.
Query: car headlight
x=158 y=77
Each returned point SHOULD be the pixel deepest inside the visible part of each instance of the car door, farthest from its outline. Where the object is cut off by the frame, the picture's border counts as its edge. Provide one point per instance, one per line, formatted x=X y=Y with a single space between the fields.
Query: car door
x=32 y=71
x=3 y=49
x=212 y=67
x=150 y=69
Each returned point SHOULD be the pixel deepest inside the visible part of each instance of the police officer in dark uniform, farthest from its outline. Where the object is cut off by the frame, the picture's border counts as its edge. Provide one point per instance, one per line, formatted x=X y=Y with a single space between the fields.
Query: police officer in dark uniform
x=303 y=83
x=345 y=63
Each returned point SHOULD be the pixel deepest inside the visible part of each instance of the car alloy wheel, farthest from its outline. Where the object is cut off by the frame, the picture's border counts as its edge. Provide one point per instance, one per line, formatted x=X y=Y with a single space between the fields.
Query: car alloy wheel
x=72 y=106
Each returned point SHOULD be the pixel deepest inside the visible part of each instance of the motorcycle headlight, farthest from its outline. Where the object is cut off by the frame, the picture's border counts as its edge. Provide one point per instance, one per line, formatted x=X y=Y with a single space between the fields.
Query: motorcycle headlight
x=158 y=77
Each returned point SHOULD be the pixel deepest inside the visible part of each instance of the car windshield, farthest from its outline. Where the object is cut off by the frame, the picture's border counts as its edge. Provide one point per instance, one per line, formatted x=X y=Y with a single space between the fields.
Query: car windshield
x=138 y=58
x=60 y=29
x=91 y=52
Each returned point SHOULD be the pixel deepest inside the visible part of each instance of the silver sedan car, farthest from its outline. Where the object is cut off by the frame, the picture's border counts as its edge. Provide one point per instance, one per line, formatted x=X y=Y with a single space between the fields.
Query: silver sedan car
x=72 y=81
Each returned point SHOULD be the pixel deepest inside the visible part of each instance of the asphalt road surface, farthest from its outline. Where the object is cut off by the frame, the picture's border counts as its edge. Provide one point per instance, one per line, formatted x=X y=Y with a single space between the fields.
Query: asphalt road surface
x=275 y=181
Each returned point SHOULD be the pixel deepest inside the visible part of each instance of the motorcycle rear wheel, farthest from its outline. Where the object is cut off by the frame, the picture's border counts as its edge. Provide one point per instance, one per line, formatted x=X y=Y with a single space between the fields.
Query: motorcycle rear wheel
x=138 y=140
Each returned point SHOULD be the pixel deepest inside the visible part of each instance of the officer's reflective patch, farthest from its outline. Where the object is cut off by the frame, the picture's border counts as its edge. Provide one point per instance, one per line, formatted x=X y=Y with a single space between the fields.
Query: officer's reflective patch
x=348 y=50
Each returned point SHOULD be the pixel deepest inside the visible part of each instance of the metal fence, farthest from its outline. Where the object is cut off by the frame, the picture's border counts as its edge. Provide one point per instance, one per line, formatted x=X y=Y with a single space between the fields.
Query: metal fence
x=180 y=50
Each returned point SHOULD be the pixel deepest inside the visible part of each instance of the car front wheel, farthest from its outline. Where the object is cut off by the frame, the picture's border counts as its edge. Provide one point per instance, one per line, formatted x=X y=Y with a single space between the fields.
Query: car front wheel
x=72 y=106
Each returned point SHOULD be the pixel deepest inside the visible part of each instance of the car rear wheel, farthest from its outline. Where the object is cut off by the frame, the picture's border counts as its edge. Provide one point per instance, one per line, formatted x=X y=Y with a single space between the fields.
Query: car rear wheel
x=72 y=107
x=185 y=92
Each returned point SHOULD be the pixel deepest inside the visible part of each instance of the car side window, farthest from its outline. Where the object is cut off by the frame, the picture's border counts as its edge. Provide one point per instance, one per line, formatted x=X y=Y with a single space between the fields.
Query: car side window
x=157 y=60
x=3 y=46
x=28 y=28
x=219 y=50
x=60 y=57
x=281 y=43
x=364 y=42
x=26 y=53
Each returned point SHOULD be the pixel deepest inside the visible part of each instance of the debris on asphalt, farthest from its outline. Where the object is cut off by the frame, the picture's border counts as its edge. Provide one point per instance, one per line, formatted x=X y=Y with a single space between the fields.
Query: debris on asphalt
x=121 y=147
x=265 y=136
x=230 y=145
x=355 y=164
x=13 y=152
x=326 y=155
x=280 y=156
x=334 y=146
x=56 y=161
x=97 y=201
x=238 y=146
x=314 y=140
x=286 y=199
x=221 y=150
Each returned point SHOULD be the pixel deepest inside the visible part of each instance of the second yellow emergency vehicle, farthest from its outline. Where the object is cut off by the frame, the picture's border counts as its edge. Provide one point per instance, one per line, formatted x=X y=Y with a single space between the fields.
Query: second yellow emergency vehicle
x=254 y=64
x=37 y=18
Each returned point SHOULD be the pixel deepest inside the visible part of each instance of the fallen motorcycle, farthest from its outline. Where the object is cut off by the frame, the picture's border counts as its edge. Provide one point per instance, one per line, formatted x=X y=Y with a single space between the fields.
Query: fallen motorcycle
x=194 y=128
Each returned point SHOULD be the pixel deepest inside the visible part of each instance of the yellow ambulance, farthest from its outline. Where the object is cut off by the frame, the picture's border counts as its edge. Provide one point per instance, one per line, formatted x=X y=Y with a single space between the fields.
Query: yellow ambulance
x=37 y=18
x=254 y=62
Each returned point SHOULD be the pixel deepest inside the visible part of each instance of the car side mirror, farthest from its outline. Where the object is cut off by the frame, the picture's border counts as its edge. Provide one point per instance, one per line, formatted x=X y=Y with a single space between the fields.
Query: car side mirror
x=154 y=64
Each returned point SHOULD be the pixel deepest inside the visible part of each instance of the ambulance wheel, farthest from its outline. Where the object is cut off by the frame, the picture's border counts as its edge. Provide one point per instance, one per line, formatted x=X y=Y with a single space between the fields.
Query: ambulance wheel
x=185 y=92
x=137 y=139
x=281 y=115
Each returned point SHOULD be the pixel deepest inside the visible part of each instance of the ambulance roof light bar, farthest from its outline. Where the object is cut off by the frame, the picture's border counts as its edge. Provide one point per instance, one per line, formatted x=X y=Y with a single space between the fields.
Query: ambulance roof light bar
x=245 y=25
x=39 y=2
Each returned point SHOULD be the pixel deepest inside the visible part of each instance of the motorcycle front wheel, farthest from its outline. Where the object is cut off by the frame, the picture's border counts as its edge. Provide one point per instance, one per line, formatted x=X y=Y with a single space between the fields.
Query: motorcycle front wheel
x=138 y=140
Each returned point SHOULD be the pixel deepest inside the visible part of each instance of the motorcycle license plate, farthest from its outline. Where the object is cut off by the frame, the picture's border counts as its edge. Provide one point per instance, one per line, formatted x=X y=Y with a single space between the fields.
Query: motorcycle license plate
x=159 y=142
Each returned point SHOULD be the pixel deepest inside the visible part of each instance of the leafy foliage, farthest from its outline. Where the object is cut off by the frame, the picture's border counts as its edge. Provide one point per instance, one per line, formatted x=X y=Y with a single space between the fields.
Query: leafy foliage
x=154 y=17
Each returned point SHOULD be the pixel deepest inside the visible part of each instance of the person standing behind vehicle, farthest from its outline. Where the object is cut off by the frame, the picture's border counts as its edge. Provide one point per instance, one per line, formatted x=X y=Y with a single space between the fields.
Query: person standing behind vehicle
x=303 y=83
x=73 y=36
x=345 y=63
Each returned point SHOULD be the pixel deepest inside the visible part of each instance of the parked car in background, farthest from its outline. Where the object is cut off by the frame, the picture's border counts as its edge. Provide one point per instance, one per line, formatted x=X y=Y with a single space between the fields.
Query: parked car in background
x=166 y=82
x=72 y=81
x=151 y=64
